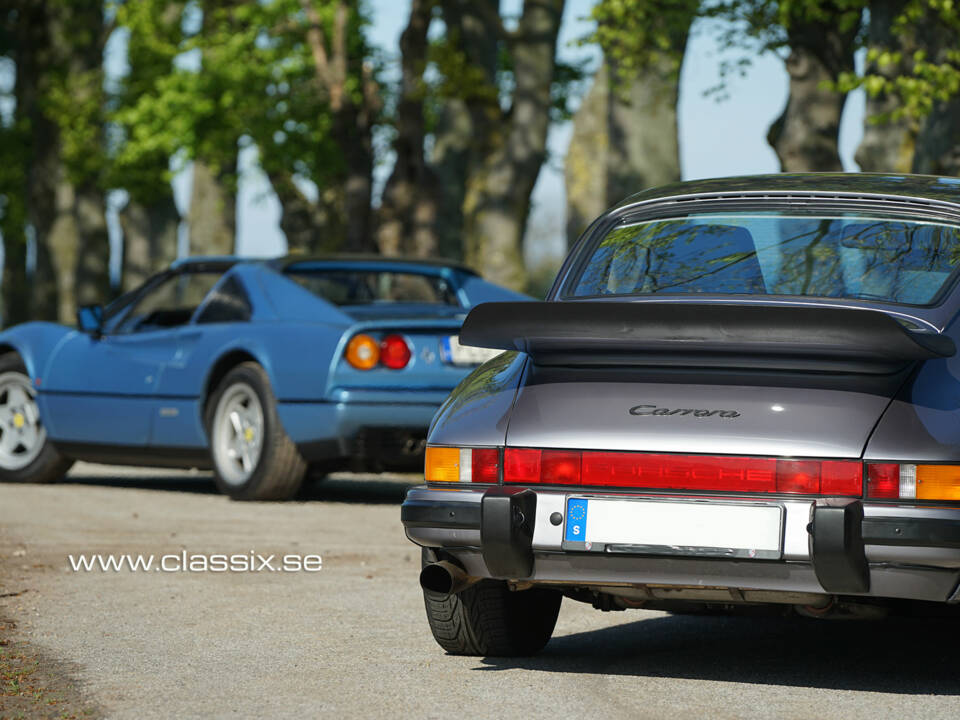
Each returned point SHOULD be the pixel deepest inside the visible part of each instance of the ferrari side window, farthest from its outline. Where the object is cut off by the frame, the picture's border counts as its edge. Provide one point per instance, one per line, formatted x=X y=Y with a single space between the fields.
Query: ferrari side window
x=170 y=304
x=227 y=303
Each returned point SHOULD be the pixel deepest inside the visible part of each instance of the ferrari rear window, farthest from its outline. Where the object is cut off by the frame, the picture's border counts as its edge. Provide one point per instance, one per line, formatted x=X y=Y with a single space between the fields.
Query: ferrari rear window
x=886 y=259
x=363 y=287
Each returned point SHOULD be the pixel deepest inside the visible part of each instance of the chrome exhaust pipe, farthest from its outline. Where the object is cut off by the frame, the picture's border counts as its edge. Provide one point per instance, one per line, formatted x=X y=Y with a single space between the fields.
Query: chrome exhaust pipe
x=445 y=578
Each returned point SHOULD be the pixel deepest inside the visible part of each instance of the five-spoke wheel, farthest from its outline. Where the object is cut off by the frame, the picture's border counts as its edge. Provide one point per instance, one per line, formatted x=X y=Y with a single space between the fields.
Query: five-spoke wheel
x=26 y=453
x=253 y=458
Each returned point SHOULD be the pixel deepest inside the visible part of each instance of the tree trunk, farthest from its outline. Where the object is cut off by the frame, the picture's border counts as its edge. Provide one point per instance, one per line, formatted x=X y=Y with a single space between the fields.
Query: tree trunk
x=408 y=213
x=462 y=120
x=938 y=139
x=805 y=136
x=93 y=256
x=150 y=238
x=310 y=228
x=15 y=284
x=623 y=141
x=888 y=145
x=212 y=219
x=497 y=201
x=61 y=50
x=352 y=127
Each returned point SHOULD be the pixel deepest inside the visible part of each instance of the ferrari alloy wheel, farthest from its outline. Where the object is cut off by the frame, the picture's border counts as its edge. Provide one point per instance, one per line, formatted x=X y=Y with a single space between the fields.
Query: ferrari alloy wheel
x=26 y=454
x=253 y=458
x=21 y=434
x=238 y=433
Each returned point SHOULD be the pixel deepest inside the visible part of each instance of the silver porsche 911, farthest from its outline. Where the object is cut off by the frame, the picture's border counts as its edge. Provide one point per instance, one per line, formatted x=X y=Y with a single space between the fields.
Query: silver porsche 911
x=739 y=391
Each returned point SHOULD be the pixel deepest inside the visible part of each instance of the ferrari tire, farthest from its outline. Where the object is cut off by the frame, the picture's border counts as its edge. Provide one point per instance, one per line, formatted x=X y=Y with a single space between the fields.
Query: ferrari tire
x=487 y=619
x=26 y=453
x=253 y=457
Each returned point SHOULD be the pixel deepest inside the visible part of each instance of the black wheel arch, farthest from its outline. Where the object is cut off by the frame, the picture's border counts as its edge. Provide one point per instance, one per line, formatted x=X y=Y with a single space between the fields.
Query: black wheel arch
x=224 y=364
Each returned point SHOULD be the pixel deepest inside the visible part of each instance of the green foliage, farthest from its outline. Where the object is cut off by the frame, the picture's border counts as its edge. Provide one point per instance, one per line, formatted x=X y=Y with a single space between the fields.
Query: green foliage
x=636 y=35
x=245 y=72
x=927 y=72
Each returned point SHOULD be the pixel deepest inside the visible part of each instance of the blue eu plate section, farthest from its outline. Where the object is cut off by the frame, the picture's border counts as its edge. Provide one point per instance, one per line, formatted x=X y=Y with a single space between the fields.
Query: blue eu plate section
x=576 y=520
x=446 y=352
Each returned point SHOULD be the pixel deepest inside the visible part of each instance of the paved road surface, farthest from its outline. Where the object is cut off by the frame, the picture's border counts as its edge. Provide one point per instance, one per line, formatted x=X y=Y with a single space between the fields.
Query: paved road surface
x=352 y=641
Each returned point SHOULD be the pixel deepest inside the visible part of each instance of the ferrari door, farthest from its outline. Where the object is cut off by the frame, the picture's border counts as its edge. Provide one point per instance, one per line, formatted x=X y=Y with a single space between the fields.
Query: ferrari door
x=102 y=389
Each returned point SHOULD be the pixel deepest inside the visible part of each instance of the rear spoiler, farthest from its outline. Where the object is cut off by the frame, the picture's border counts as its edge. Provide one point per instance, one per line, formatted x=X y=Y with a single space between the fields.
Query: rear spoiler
x=774 y=337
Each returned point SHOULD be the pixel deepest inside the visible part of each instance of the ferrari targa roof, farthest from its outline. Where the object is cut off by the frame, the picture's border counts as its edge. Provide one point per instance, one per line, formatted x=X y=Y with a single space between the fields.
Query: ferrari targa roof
x=288 y=262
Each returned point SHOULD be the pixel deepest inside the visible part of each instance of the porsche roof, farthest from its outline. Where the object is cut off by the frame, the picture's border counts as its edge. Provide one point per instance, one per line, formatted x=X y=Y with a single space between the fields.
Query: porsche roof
x=918 y=187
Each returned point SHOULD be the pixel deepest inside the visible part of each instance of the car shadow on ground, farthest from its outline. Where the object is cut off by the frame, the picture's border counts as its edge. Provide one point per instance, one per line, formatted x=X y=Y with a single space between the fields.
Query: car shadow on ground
x=342 y=487
x=905 y=656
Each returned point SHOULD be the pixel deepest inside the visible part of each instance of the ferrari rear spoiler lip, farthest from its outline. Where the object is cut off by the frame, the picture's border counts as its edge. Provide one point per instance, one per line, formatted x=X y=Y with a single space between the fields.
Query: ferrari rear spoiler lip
x=751 y=336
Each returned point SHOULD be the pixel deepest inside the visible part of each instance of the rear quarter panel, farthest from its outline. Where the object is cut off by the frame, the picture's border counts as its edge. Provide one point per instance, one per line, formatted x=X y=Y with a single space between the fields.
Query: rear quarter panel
x=922 y=422
x=478 y=410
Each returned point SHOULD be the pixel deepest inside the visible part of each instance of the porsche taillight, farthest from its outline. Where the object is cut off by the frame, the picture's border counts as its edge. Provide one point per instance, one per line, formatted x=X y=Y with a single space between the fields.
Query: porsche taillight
x=907 y=481
x=466 y=465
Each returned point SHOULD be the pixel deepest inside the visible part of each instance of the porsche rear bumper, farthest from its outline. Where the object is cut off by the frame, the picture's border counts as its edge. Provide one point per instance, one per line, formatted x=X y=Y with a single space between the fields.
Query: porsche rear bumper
x=829 y=546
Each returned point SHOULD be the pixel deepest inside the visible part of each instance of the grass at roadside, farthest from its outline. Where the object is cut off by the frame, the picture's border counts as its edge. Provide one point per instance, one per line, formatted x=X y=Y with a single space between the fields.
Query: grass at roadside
x=34 y=687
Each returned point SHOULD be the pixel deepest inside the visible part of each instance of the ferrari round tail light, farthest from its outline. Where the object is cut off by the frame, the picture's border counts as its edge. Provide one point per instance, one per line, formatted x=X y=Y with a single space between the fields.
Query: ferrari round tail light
x=363 y=352
x=394 y=352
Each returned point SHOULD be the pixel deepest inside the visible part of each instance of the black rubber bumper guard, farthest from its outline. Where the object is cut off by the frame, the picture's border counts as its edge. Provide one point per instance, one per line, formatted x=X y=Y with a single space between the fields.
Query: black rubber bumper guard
x=839 y=533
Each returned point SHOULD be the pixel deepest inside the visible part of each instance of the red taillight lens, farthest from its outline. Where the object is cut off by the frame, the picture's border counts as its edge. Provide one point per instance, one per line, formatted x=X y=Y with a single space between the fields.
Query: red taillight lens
x=560 y=467
x=682 y=472
x=485 y=465
x=521 y=465
x=394 y=352
x=841 y=477
x=883 y=480
x=798 y=476
x=678 y=472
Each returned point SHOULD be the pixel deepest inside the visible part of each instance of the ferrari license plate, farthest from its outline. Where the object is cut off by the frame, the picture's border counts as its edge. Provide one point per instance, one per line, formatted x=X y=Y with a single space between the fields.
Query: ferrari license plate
x=457 y=354
x=655 y=527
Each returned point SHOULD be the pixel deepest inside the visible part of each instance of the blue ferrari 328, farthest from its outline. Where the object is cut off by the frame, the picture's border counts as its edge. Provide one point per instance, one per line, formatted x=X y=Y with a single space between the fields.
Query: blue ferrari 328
x=264 y=371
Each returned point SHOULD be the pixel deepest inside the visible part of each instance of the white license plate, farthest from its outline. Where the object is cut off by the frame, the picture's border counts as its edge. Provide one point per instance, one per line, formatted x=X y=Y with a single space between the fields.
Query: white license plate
x=706 y=529
x=454 y=352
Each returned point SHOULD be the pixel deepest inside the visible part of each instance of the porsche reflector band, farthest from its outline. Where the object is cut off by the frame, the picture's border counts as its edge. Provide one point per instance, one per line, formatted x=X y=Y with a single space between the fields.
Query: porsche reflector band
x=588 y=468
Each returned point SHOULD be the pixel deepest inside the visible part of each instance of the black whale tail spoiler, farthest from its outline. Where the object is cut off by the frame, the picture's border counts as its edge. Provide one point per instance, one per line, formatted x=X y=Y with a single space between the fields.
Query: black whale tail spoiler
x=774 y=337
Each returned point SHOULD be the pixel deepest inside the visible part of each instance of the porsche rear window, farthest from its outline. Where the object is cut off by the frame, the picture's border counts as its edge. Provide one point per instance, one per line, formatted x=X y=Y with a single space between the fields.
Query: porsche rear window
x=363 y=287
x=886 y=259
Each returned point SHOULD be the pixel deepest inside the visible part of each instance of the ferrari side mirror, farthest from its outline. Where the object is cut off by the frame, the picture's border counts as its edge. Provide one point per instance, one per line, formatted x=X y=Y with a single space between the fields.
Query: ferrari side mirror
x=90 y=319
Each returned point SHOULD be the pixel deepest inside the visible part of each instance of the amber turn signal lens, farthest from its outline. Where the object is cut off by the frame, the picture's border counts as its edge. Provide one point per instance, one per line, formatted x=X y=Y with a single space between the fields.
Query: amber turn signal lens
x=938 y=482
x=442 y=464
x=363 y=352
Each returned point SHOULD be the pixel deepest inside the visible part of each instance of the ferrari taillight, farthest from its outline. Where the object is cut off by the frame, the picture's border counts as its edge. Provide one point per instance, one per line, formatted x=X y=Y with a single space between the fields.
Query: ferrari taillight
x=469 y=465
x=908 y=481
x=365 y=352
x=682 y=472
x=394 y=352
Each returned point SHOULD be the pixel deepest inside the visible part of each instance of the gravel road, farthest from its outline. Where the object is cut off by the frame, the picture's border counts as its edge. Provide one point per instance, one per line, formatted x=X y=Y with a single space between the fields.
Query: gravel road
x=352 y=640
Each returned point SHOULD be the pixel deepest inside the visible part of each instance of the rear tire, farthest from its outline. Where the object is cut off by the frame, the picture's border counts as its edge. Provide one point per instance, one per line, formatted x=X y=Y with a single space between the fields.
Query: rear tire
x=489 y=620
x=26 y=453
x=253 y=457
